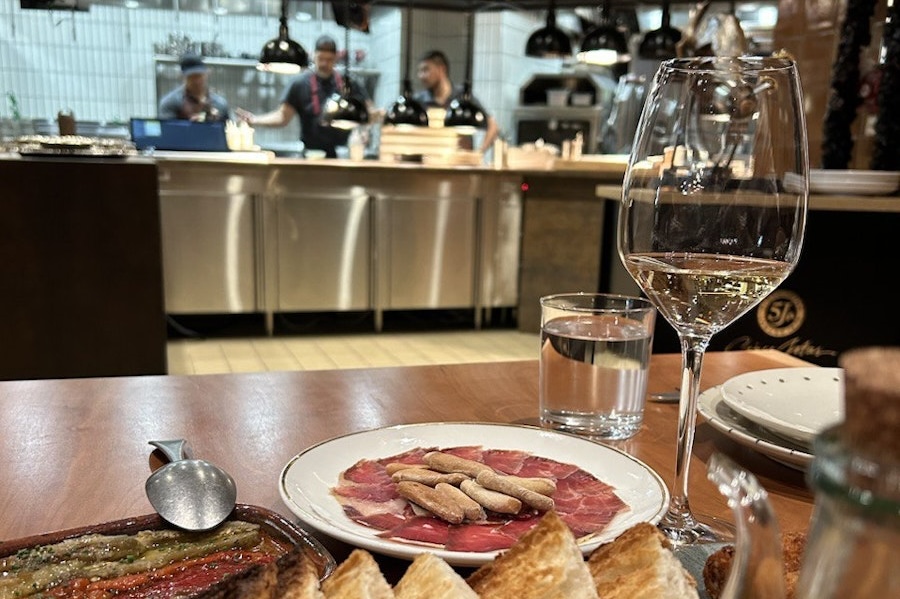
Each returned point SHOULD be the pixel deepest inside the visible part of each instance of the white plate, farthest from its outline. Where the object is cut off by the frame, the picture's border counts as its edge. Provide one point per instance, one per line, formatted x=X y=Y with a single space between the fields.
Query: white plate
x=306 y=480
x=797 y=403
x=746 y=432
x=853 y=181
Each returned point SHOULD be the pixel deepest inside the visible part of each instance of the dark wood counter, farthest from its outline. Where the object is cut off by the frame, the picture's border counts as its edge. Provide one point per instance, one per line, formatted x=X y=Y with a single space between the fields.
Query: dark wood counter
x=76 y=452
x=81 y=277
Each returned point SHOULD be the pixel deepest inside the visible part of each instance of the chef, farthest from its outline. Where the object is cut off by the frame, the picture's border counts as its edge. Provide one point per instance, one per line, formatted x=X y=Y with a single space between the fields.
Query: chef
x=193 y=100
x=305 y=97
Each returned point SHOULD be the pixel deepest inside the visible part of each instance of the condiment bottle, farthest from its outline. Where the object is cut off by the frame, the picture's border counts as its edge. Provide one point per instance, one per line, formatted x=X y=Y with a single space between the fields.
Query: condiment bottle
x=853 y=547
x=66 y=122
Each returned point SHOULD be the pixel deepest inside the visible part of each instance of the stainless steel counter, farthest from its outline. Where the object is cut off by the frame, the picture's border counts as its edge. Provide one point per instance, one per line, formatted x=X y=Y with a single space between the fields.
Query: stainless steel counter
x=255 y=234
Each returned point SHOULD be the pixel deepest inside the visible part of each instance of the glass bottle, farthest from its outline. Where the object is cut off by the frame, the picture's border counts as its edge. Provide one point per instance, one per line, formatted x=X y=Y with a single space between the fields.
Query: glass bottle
x=853 y=544
x=853 y=547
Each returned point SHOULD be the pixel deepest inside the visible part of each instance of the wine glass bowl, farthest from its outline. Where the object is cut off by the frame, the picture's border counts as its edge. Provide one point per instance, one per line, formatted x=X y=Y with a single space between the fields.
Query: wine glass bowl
x=707 y=227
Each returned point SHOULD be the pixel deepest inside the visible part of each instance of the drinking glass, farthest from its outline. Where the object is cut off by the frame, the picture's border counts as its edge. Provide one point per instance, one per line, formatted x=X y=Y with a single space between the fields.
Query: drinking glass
x=712 y=219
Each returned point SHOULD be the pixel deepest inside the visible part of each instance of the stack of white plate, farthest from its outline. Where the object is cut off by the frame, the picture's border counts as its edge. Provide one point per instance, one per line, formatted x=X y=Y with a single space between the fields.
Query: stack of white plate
x=399 y=141
x=777 y=412
x=852 y=182
x=457 y=158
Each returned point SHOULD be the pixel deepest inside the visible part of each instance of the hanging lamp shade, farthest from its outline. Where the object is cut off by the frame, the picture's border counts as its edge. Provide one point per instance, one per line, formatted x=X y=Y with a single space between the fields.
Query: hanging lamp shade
x=549 y=41
x=661 y=44
x=342 y=110
x=282 y=54
x=604 y=44
x=464 y=113
x=406 y=110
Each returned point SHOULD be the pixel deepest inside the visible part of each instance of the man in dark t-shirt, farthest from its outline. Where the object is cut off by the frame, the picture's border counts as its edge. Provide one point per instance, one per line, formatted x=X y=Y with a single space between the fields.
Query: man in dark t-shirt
x=439 y=91
x=193 y=100
x=306 y=96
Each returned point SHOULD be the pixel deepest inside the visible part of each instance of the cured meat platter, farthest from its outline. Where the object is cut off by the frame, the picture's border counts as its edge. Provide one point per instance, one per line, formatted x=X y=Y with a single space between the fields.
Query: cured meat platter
x=308 y=485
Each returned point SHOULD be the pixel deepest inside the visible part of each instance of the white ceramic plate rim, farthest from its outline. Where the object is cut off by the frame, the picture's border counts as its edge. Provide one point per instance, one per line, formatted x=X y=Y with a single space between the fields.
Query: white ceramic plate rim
x=748 y=433
x=797 y=403
x=306 y=480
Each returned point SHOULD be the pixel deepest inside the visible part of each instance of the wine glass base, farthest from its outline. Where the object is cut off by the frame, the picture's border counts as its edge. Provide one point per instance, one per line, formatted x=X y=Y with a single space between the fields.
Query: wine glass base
x=694 y=530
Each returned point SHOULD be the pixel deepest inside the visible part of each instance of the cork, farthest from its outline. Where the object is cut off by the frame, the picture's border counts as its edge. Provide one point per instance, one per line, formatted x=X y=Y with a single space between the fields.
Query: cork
x=872 y=401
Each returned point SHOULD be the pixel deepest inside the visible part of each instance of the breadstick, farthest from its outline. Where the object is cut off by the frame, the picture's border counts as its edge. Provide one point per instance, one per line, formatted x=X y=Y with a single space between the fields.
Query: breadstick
x=397 y=466
x=471 y=508
x=544 y=486
x=428 y=477
x=446 y=462
x=502 y=484
x=432 y=500
x=492 y=500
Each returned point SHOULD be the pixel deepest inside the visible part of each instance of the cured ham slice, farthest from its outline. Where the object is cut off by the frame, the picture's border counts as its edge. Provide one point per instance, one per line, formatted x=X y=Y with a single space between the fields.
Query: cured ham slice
x=488 y=537
x=424 y=529
x=369 y=496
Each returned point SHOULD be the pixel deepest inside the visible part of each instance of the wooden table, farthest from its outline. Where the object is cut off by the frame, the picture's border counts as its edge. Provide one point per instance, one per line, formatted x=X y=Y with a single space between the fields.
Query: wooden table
x=75 y=451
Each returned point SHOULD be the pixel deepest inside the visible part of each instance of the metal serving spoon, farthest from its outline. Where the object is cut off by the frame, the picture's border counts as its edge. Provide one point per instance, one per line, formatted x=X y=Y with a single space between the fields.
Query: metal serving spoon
x=191 y=494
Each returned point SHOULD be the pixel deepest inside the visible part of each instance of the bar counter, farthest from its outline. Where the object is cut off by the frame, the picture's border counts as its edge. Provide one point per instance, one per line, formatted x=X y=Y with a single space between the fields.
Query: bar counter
x=76 y=451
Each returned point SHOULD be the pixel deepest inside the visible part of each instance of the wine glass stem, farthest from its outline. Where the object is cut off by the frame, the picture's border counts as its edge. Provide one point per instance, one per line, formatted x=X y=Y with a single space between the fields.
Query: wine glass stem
x=692 y=350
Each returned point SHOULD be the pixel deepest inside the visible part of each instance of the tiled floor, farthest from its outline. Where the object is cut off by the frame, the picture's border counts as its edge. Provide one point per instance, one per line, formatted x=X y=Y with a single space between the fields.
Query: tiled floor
x=210 y=356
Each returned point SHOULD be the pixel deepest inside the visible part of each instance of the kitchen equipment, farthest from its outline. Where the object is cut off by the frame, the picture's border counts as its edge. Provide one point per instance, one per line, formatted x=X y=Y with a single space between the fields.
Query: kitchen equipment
x=191 y=494
x=541 y=115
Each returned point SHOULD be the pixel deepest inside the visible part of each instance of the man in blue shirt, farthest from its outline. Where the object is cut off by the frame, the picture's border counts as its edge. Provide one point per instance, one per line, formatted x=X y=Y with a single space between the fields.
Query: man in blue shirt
x=306 y=96
x=192 y=100
x=434 y=75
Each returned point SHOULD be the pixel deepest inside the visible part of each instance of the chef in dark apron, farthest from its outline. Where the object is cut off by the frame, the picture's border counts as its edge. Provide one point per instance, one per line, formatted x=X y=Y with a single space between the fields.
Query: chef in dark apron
x=305 y=97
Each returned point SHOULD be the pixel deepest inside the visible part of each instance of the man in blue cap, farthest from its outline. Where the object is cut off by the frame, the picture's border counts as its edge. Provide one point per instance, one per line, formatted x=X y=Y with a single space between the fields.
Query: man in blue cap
x=192 y=100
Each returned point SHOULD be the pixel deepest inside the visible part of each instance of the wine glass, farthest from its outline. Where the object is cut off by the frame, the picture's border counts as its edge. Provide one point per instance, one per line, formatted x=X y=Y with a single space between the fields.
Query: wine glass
x=713 y=213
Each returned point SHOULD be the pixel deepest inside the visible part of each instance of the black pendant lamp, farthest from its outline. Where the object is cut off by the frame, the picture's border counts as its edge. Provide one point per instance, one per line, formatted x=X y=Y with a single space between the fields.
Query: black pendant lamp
x=661 y=44
x=407 y=110
x=282 y=54
x=549 y=41
x=464 y=113
x=342 y=110
x=605 y=44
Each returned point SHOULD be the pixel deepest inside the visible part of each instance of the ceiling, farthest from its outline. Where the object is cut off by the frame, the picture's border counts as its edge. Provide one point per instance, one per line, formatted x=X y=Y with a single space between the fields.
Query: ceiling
x=274 y=6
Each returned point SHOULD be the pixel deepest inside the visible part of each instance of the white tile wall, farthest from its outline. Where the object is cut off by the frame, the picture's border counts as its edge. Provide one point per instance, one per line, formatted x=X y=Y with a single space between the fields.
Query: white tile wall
x=100 y=63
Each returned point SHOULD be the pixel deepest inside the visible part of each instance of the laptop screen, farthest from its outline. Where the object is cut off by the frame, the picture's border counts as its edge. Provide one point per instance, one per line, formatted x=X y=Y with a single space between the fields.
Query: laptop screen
x=177 y=134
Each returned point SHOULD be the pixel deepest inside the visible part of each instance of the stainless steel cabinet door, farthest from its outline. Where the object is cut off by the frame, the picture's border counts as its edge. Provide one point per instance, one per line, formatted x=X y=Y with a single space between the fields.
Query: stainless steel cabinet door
x=430 y=246
x=209 y=252
x=324 y=252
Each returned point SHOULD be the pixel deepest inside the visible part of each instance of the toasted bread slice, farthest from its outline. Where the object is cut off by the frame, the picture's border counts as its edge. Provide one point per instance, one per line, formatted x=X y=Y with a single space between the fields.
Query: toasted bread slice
x=298 y=578
x=357 y=577
x=545 y=563
x=718 y=565
x=430 y=577
x=640 y=564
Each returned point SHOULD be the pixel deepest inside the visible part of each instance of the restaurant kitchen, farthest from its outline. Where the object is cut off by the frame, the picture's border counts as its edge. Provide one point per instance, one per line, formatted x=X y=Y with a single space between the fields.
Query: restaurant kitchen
x=245 y=235
x=115 y=59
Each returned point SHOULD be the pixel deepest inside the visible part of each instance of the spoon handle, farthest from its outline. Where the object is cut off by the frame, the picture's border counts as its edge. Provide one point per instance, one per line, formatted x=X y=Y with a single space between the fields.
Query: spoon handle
x=174 y=449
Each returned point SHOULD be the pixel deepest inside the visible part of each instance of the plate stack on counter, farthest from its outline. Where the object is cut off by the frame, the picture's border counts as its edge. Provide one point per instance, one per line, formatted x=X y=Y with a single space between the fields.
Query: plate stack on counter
x=777 y=412
x=847 y=182
x=418 y=144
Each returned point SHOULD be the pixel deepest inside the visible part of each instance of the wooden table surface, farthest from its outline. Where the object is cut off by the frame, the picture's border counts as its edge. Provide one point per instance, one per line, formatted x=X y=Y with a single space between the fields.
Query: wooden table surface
x=75 y=451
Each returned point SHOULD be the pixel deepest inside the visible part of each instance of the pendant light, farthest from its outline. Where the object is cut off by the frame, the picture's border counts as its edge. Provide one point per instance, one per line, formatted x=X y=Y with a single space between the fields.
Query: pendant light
x=282 y=54
x=660 y=44
x=407 y=110
x=342 y=110
x=549 y=41
x=464 y=113
x=605 y=44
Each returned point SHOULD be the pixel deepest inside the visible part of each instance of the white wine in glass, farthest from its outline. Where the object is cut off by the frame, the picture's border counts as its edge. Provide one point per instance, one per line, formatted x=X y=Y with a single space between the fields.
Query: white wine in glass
x=713 y=214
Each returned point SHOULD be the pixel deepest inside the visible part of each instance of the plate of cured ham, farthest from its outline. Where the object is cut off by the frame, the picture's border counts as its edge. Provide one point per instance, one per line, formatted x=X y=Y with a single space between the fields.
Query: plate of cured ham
x=342 y=488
